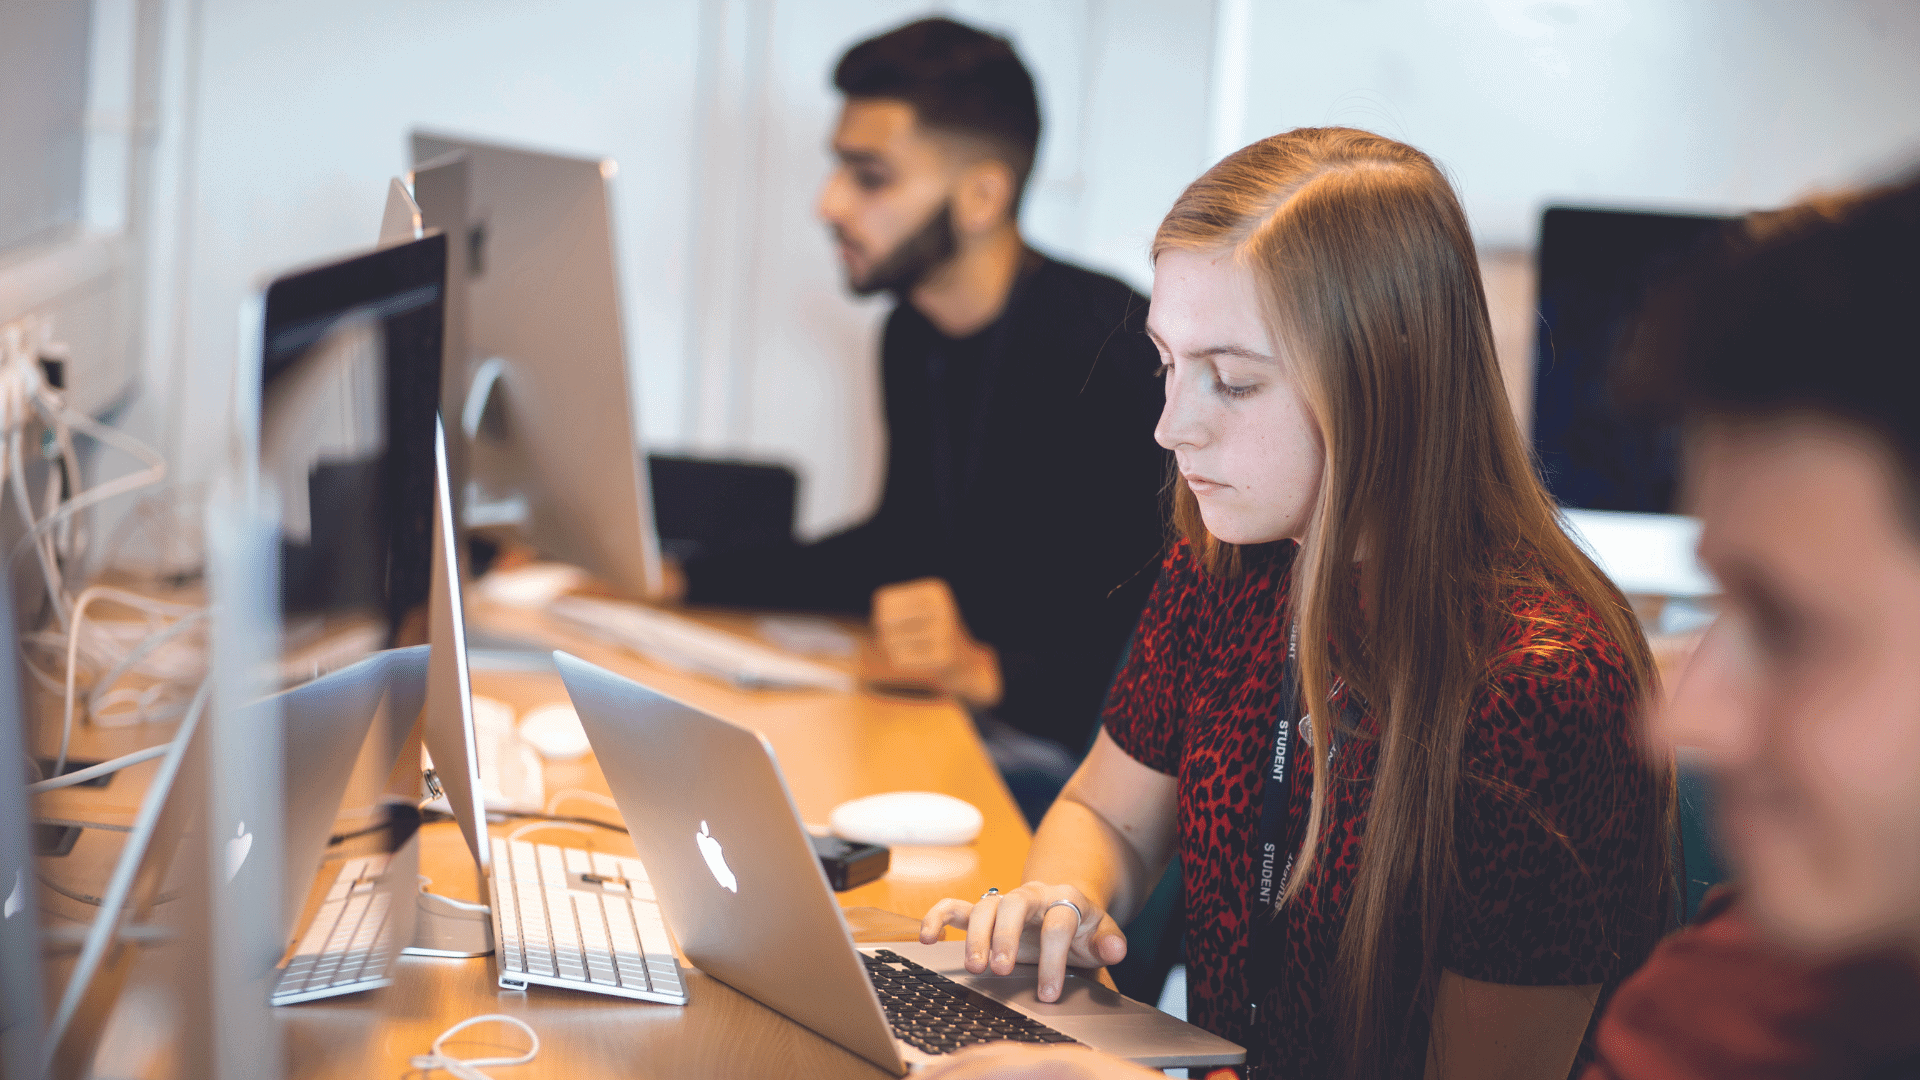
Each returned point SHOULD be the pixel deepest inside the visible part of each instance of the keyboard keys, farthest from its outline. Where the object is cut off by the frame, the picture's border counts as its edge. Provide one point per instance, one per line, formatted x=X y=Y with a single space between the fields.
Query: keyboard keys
x=628 y=961
x=348 y=943
x=553 y=866
x=938 y=1015
x=567 y=913
x=662 y=969
x=534 y=935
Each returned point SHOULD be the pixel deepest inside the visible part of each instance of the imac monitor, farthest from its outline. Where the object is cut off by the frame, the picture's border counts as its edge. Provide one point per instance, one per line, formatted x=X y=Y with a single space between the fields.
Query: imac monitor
x=1616 y=478
x=547 y=415
x=349 y=384
x=1595 y=269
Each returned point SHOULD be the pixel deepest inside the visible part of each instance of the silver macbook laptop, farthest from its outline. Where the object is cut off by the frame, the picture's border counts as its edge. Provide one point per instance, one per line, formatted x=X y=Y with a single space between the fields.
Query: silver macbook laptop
x=367 y=914
x=738 y=882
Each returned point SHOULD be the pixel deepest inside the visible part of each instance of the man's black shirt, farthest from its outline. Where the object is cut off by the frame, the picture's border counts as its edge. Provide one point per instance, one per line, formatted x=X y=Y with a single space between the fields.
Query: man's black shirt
x=1021 y=468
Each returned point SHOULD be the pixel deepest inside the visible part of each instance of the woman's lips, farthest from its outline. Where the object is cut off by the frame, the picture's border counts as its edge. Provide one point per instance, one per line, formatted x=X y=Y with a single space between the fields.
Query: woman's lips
x=1200 y=485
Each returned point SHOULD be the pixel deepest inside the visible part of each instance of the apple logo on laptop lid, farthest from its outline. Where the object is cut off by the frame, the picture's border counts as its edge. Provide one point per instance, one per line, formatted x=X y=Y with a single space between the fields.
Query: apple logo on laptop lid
x=716 y=860
x=237 y=849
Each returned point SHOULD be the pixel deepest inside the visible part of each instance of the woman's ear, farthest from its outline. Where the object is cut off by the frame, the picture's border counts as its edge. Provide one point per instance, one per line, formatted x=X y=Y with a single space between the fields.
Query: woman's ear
x=983 y=199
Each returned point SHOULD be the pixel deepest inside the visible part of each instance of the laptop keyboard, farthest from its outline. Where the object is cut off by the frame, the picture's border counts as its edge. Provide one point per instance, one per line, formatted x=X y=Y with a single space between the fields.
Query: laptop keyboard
x=938 y=1015
x=346 y=948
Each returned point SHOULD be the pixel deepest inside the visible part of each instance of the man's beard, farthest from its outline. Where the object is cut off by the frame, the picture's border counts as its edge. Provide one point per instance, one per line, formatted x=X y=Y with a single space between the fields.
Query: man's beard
x=913 y=259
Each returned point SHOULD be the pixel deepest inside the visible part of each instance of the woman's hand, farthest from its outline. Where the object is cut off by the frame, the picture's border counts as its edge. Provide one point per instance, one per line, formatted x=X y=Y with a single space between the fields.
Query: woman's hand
x=1031 y=924
x=1013 y=1061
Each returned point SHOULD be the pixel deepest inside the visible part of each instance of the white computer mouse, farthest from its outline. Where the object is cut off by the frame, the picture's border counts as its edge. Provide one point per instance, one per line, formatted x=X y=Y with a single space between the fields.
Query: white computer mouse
x=907 y=817
x=555 y=731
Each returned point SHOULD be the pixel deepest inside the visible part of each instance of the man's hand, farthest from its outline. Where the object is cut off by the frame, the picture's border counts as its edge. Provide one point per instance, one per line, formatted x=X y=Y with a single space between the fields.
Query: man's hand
x=673 y=583
x=920 y=633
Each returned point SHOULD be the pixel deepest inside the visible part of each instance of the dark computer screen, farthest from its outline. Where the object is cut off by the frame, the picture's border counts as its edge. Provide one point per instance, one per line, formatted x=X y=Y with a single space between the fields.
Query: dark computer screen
x=1595 y=267
x=350 y=384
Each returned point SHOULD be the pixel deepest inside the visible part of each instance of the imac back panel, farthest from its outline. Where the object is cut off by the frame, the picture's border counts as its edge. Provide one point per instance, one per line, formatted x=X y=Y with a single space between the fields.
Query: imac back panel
x=552 y=453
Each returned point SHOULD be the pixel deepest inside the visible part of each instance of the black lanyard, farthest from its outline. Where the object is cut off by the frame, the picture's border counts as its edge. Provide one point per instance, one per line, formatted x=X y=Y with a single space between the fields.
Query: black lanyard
x=1270 y=871
x=1274 y=802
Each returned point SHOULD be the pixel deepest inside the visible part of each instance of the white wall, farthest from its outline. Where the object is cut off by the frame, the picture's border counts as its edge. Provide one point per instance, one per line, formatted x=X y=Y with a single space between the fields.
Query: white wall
x=297 y=114
x=281 y=122
x=741 y=338
x=1684 y=103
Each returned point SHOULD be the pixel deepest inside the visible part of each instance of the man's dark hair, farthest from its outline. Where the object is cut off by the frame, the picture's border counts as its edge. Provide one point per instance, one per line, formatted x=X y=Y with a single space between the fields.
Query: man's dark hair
x=959 y=80
x=1815 y=308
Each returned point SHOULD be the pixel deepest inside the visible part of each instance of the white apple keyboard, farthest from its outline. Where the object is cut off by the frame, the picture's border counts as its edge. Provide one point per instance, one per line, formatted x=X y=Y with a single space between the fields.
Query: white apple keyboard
x=693 y=646
x=582 y=920
x=347 y=947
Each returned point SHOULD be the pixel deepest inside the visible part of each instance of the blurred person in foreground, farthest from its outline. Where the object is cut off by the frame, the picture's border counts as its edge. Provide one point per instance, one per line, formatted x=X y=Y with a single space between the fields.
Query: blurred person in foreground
x=1020 y=402
x=1793 y=359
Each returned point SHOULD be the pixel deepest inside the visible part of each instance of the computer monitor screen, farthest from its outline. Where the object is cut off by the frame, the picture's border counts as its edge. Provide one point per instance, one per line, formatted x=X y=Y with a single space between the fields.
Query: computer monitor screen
x=350 y=363
x=1595 y=269
x=550 y=448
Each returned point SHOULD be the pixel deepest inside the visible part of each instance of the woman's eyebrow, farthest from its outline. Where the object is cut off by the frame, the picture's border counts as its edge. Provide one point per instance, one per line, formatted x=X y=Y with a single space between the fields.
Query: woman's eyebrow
x=1240 y=351
x=1210 y=351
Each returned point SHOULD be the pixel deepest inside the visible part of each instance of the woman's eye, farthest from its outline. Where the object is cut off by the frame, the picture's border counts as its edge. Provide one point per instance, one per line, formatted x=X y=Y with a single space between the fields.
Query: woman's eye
x=1236 y=392
x=1163 y=371
x=869 y=181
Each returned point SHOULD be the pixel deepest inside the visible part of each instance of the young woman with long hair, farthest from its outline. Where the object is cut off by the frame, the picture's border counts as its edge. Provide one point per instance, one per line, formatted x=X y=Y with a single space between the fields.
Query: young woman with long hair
x=1379 y=703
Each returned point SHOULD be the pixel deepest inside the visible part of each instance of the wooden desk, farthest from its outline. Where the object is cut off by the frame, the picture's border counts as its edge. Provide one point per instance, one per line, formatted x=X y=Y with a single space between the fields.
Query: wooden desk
x=832 y=747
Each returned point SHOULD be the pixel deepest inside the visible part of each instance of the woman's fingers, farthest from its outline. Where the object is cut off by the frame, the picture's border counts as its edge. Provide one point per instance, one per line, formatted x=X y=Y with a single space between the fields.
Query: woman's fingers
x=1058 y=930
x=1030 y=924
x=933 y=925
x=1100 y=945
x=1009 y=925
x=980 y=929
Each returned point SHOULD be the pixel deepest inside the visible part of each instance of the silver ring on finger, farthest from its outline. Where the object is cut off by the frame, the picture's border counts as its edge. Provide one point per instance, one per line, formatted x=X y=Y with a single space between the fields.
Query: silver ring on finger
x=1078 y=916
x=995 y=891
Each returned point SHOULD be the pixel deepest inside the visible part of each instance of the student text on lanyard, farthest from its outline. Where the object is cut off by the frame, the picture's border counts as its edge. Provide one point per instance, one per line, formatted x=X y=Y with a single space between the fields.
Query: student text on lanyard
x=1274 y=838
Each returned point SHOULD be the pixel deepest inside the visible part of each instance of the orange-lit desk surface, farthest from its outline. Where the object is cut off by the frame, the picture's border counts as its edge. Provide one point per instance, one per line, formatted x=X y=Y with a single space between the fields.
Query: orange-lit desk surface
x=832 y=747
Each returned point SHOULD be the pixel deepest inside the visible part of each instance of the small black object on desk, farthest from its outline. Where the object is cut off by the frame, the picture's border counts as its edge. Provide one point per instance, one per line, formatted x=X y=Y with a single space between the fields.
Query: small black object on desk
x=850 y=864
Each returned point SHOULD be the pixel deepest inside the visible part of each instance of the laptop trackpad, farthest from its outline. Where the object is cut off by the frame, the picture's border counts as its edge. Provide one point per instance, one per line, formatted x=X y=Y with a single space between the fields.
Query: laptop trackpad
x=1082 y=996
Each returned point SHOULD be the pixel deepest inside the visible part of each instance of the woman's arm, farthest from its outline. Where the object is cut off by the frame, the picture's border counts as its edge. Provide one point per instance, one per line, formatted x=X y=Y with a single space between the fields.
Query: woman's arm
x=1489 y=1031
x=1110 y=832
x=1102 y=848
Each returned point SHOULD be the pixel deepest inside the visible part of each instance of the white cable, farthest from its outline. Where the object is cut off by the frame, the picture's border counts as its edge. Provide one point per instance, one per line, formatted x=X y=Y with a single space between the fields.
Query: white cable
x=469 y=1068
x=560 y=798
x=426 y=888
x=59 y=538
x=87 y=596
x=81 y=776
x=536 y=826
x=17 y=481
x=139 y=652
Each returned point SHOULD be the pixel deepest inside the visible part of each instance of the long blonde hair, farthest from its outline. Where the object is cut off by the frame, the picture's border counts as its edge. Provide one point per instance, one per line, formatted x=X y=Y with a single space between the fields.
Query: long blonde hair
x=1367 y=270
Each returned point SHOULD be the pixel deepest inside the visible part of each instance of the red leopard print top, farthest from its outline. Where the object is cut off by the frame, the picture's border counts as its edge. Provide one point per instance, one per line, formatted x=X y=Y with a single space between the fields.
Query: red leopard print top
x=1551 y=742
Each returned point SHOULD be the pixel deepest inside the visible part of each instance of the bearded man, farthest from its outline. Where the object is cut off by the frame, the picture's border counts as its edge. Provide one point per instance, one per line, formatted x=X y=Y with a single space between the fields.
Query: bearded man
x=1020 y=524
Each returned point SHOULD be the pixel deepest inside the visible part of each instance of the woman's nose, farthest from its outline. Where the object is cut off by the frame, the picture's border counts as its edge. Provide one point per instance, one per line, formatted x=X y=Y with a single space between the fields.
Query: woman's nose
x=1180 y=425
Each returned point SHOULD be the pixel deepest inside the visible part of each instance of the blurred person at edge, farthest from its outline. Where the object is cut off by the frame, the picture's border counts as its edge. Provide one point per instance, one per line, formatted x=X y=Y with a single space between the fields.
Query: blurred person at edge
x=1020 y=401
x=1373 y=658
x=1793 y=356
